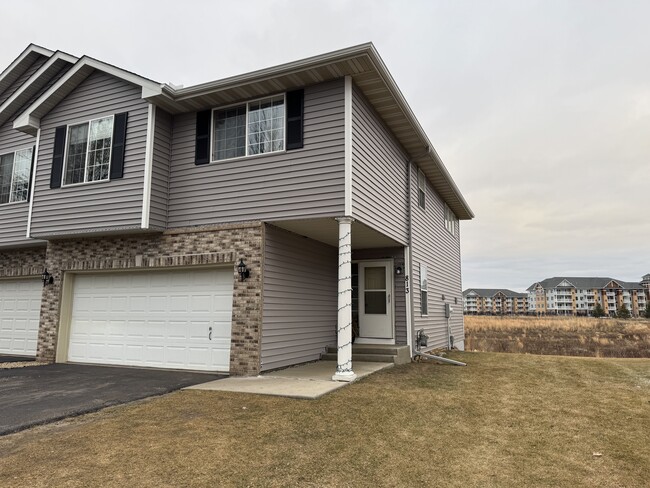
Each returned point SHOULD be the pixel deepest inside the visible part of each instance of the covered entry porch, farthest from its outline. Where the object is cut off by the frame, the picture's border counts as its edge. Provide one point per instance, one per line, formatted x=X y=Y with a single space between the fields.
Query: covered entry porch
x=354 y=284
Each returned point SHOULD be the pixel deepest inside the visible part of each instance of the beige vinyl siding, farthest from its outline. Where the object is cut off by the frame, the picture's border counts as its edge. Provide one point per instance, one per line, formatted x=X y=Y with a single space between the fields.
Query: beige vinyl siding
x=22 y=78
x=299 y=298
x=97 y=206
x=160 y=170
x=397 y=254
x=301 y=183
x=435 y=247
x=379 y=173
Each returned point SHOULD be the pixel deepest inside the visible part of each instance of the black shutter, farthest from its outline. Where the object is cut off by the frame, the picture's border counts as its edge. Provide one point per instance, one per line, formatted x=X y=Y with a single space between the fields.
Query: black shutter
x=57 y=157
x=119 y=144
x=31 y=170
x=202 y=149
x=295 y=115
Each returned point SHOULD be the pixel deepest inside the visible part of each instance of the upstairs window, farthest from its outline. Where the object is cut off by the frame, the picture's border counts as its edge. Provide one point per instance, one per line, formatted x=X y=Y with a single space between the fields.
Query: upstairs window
x=15 y=171
x=424 y=287
x=253 y=128
x=421 y=189
x=450 y=221
x=88 y=151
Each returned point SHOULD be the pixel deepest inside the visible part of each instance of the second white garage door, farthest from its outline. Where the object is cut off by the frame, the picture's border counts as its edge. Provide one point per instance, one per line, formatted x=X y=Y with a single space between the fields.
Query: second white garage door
x=20 y=306
x=164 y=319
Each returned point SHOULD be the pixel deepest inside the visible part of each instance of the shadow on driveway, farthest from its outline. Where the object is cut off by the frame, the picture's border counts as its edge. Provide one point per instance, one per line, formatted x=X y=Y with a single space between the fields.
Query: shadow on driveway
x=4 y=358
x=43 y=394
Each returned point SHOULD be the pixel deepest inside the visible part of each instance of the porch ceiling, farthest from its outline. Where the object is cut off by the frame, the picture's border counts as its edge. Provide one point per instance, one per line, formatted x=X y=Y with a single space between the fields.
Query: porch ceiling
x=326 y=230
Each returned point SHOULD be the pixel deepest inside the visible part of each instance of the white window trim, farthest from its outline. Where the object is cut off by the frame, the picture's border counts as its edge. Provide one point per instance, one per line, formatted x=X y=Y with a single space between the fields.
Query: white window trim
x=65 y=153
x=422 y=189
x=450 y=220
x=11 y=183
x=247 y=103
x=426 y=290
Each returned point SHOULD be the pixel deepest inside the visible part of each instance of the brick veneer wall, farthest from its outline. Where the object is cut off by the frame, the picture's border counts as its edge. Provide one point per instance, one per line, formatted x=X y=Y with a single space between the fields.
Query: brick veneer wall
x=175 y=247
x=23 y=262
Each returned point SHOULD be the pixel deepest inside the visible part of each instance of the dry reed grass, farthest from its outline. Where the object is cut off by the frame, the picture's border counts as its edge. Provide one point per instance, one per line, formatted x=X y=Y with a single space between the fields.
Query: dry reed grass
x=566 y=336
x=482 y=322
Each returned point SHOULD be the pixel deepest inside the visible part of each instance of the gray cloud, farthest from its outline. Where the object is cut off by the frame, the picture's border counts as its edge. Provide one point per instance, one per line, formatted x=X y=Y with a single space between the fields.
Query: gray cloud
x=540 y=109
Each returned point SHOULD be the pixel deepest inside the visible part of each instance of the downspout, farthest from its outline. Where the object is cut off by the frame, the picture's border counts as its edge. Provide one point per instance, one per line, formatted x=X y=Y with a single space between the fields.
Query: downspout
x=409 y=312
x=439 y=359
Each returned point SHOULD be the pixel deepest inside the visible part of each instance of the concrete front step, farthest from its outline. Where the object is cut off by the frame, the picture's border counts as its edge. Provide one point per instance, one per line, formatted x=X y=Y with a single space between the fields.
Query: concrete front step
x=378 y=353
x=370 y=358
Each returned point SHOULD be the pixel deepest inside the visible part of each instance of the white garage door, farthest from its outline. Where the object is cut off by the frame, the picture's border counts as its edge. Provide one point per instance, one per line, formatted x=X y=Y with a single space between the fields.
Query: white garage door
x=20 y=306
x=163 y=319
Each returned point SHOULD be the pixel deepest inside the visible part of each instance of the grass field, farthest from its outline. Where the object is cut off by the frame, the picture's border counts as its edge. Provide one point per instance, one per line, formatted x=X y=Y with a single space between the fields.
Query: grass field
x=571 y=336
x=504 y=420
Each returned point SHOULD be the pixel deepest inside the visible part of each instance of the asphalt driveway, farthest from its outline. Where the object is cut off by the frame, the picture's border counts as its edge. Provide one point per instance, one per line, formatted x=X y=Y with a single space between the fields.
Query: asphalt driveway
x=42 y=394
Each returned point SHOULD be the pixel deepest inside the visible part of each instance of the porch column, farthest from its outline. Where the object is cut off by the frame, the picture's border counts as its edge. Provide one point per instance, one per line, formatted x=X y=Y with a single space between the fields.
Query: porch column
x=344 y=326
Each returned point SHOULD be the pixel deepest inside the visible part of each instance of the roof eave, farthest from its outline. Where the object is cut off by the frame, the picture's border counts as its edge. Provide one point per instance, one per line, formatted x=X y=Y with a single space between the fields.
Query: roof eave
x=426 y=152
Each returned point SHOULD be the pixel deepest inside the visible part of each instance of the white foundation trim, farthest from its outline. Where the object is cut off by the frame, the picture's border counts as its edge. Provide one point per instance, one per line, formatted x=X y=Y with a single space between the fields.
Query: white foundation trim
x=148 y=167
x=33 y=176
x=348 y=145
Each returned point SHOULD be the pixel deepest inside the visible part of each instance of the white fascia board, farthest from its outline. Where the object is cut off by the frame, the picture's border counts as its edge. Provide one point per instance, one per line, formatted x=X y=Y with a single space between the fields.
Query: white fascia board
x=27 y=120
x=267 y=73
x=32 y=48
x=48 y=64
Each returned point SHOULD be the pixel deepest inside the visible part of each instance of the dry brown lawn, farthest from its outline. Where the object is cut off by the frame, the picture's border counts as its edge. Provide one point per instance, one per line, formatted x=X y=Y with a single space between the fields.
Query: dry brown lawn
x=504 y=420
x=571 y=336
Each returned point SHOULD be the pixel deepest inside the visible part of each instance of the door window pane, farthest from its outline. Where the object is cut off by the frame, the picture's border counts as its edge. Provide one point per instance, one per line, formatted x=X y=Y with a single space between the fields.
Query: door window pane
x=375 y=302
x=375 y=278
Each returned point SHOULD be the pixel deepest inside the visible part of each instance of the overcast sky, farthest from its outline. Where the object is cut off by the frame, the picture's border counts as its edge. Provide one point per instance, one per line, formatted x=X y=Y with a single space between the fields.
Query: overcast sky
x=539 y=109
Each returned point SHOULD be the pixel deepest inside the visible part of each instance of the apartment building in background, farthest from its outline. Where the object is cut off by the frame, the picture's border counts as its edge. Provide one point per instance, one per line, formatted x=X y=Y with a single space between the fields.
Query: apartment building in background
x=494 y=301
x=579 y=296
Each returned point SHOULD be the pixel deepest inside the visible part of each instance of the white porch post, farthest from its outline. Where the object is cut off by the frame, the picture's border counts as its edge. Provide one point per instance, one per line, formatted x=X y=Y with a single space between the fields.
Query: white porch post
x=344 y=326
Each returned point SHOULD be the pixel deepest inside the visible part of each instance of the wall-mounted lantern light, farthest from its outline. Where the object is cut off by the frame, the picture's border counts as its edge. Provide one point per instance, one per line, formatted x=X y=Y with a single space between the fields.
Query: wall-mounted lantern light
x=47 y=278
x=243 y=270
x=398 y=270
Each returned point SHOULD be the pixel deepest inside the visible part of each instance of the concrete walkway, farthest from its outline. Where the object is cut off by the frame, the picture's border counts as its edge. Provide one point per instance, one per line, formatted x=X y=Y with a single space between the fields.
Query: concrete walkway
x=309 y=381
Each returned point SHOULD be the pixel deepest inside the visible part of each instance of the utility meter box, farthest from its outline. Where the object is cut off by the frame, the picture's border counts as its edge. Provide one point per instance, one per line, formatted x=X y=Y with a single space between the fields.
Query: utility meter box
x=448 y=310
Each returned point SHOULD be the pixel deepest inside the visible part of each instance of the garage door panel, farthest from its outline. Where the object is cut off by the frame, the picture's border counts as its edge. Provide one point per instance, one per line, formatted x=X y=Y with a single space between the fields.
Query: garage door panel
x=153 y=319
x=20 y=305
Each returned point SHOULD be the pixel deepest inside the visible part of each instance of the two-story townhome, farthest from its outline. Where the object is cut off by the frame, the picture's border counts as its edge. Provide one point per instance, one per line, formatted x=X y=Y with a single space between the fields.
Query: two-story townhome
x=240 y=225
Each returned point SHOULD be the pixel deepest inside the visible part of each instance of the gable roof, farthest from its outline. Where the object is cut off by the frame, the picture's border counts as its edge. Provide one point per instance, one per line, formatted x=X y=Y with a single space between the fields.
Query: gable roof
x=583 y=283
x=362 y=63
x=491 y=292
x=19 y=65
x=46 y=75
x=29 y=120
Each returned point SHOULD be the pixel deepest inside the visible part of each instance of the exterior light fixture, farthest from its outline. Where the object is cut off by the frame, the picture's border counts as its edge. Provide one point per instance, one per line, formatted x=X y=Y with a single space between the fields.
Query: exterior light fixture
x=243 y=270
x=47 y=278
x=398 y=270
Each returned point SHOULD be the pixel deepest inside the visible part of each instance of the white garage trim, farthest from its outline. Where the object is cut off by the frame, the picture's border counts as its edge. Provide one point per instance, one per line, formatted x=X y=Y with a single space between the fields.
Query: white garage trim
x=172 y=318
x=20 y=307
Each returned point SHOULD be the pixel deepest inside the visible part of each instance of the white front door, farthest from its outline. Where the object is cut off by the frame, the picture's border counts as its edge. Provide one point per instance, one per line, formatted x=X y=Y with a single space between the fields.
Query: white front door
x=376 y=300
